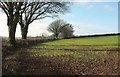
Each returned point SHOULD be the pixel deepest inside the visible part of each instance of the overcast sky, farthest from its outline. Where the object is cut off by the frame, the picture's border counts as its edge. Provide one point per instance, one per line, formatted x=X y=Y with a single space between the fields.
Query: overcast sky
x=87 y=18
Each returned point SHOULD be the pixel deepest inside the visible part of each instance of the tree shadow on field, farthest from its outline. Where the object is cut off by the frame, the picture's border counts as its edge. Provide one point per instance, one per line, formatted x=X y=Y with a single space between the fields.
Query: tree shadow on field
x=7 y=49
x=36 y=66
x=23 y=64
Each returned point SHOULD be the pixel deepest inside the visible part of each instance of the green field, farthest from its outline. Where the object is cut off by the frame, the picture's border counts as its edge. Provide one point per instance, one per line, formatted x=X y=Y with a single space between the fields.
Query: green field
x=80 y=56
x=73 y=46
x=101 y=40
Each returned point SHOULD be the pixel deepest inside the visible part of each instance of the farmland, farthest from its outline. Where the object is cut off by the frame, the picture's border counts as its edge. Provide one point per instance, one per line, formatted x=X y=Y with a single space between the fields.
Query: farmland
x=75 y=56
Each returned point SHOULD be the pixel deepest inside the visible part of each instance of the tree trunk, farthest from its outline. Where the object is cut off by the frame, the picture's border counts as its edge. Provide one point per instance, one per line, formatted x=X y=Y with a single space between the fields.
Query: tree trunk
x=24 y=31
x=12 y=24
x=56 y=36
x=12 y=35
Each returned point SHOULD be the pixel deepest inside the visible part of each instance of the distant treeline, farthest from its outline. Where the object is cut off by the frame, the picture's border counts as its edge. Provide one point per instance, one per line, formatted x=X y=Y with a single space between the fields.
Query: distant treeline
x=81 y=36
x=96 y=35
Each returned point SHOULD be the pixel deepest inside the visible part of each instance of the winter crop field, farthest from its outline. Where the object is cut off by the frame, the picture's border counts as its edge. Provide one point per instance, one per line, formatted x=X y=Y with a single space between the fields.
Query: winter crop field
x=75 y=56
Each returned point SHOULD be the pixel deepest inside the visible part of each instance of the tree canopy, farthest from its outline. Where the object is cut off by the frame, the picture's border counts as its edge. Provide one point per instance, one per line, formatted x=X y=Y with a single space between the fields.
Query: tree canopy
x=60 y=27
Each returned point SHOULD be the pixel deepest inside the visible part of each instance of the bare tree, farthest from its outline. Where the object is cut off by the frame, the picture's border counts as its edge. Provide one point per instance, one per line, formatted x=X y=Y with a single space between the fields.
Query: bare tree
x=11 y=9
x=67 y=31
x=38 y=10
x=55 y=27
x=60 y=28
